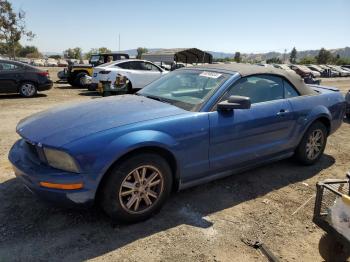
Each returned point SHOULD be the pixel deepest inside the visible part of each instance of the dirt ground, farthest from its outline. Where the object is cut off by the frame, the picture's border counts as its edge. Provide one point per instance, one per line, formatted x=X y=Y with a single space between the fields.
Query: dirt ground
x=212 y=222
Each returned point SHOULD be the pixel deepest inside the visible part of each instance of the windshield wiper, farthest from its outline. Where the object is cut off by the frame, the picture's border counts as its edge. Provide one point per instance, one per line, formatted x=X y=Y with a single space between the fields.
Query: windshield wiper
x=157 y=99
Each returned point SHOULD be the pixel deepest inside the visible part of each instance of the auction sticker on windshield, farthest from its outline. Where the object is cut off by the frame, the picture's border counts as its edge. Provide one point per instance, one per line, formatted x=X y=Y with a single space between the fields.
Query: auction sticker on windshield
x=210 y=74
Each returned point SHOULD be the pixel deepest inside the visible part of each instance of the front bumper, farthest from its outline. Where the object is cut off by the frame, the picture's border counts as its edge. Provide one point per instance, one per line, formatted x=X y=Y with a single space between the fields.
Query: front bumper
x=32 y=172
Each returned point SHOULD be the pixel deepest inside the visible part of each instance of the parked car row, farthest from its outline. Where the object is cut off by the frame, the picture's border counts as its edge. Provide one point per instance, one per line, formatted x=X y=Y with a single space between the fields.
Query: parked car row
x=48 y=62
x=314 y=70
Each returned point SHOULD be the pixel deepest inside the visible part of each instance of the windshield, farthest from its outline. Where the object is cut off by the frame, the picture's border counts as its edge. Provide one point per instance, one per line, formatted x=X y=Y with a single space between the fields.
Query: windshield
x=95 y=58
x=187 y=89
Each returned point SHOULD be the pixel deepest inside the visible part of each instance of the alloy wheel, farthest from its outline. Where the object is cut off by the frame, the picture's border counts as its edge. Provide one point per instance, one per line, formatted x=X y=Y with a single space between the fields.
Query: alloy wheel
x=141 y=189
x=314 y=144
x=28 y=89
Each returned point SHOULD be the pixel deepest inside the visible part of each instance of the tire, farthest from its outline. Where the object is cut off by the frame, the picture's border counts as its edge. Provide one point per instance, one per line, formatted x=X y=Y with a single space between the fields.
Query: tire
x=125 y=196
x=331 y=250
x=70 y=81
x=310 y=149
x=28 y=89
x=78 y=79
x=129 y=88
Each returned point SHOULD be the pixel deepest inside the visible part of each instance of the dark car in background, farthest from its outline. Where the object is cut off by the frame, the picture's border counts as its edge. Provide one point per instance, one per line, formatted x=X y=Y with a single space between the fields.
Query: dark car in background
x=27 y=80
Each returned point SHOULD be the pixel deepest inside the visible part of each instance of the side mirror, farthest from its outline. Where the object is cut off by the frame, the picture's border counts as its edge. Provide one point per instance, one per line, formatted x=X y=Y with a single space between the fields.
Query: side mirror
x=234 y=102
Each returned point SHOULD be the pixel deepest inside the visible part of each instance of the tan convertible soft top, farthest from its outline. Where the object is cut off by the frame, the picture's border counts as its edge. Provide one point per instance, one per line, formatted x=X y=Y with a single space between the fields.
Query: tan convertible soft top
x=247 y=70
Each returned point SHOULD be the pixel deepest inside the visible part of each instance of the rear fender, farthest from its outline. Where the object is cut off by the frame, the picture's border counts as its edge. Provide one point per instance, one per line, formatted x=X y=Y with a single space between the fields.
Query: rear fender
x=317 y=112
x=76 y=71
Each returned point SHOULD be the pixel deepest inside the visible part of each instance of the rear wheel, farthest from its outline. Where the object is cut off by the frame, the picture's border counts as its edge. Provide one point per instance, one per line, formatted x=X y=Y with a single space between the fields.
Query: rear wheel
x=78 y=81
x=312 y=144
x=136 y=188
x=27 y=89
x=70 y=81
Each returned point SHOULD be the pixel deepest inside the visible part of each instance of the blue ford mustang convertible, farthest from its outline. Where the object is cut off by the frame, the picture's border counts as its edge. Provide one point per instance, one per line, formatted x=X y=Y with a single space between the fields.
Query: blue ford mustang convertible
x=127 y=153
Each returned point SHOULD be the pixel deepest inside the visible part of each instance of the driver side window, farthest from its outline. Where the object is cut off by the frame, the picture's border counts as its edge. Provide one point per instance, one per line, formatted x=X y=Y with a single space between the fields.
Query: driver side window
x=259 y=88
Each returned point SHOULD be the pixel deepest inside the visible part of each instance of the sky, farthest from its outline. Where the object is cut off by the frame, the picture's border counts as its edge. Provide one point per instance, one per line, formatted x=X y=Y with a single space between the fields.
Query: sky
x=222 y=25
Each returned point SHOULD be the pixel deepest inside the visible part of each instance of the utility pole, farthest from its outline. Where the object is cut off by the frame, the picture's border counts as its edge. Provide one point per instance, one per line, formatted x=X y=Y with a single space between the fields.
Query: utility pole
x=119 y=41
x=284 y=56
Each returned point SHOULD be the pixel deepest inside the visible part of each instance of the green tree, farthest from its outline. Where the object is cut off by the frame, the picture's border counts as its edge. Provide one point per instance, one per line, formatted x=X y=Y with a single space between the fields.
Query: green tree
x=237 y=58
x=100 y=50
x=34 y=55
x=293 y=56
x=103 y=50
x=324 y=56
x=29 y=50
x=307 y=60
x=274 y=60
x=12 y=28
x=140 y=51
x=55 y=56
x=73 y=53
x=343 y=61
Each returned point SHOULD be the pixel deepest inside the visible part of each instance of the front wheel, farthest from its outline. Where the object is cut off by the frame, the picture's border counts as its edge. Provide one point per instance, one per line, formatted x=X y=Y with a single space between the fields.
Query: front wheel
x=27 y=89
x=312 y=144
x=136 y=188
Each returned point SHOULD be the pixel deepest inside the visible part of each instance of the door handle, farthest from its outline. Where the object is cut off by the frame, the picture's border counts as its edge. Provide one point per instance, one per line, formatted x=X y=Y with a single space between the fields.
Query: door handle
x=282 y=112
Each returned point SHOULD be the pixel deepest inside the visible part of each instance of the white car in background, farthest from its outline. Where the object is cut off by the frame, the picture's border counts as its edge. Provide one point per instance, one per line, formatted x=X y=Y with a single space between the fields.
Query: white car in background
x=39 y=62
x=139 y=73
x=51 y=62
x=284 y=67
x=340 y=70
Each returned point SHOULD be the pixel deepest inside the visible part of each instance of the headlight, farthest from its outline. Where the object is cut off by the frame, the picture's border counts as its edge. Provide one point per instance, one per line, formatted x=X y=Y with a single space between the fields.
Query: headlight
x=60 y=160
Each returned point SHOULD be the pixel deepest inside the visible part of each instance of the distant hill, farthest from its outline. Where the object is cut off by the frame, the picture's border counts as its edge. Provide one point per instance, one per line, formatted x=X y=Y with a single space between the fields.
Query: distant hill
x=51 y=53
x=221 y=54
x=343 y=52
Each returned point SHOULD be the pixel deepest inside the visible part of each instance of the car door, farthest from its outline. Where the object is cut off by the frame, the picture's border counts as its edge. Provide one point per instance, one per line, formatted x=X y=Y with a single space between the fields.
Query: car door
x=9 y=76
x=152 y=71
x=244 y=137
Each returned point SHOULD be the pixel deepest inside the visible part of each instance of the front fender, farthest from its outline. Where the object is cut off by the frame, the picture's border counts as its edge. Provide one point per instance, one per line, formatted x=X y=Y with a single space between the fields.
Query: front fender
x=131 y=141
x=88 y=71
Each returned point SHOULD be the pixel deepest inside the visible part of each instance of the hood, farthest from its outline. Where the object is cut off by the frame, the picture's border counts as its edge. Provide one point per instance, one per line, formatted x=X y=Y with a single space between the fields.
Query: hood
x=64 y=124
